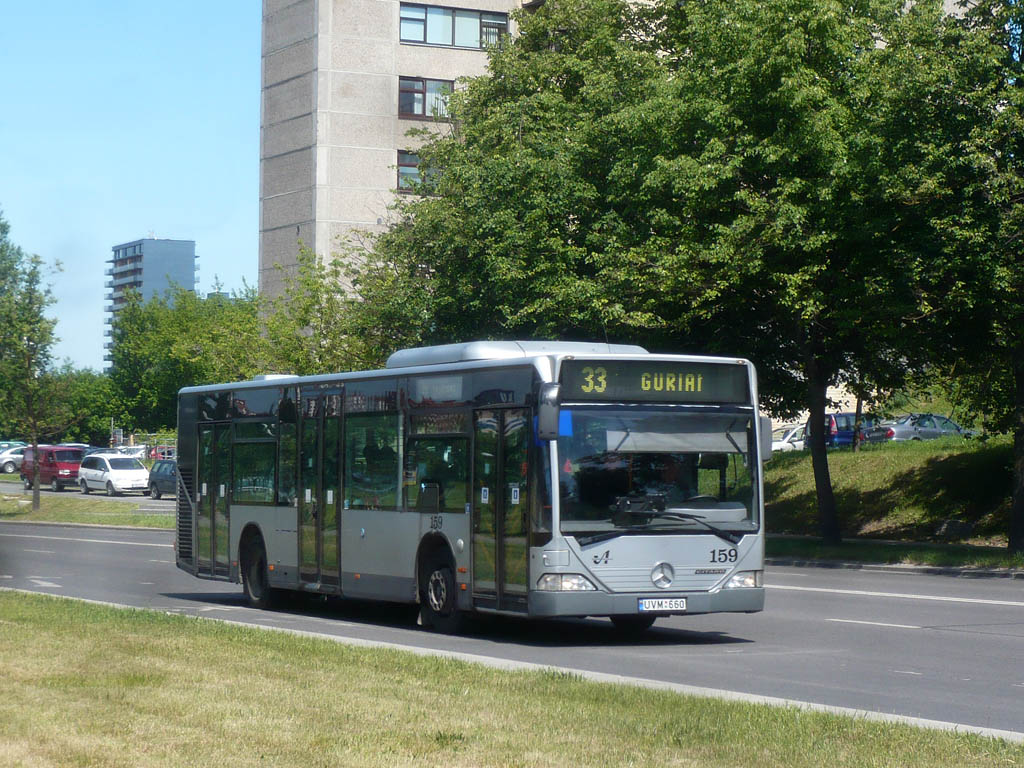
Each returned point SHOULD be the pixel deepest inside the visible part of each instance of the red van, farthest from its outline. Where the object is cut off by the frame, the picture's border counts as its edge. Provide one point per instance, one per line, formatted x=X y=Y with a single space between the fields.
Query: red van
x=58 y=466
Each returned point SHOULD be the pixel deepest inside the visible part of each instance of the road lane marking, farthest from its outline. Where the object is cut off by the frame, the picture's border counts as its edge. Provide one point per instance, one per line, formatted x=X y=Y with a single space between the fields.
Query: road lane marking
x=44 y=583
x=875 y=623
x=40 y=551
x=865 y=593
x=90 y=541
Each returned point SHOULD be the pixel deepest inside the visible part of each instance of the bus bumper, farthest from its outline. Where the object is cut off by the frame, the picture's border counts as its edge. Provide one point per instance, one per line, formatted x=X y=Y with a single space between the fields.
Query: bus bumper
x=746 y=600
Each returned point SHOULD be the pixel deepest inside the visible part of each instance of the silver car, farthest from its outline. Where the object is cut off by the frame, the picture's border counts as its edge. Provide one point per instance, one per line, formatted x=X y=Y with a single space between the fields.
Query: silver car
x=10 y=460
x=916 y=426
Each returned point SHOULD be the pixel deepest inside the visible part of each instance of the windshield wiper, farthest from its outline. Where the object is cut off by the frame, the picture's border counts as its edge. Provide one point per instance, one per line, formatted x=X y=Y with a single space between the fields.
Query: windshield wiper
x=732 y=538
x=653 y=506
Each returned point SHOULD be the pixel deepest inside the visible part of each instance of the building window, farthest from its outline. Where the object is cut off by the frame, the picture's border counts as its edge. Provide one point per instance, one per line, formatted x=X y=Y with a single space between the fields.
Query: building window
x=450 y=27
x=421 y=97
x=408 y=170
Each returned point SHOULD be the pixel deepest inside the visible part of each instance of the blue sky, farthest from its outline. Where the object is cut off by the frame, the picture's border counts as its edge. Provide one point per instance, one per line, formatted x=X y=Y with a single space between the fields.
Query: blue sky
x=121 y=120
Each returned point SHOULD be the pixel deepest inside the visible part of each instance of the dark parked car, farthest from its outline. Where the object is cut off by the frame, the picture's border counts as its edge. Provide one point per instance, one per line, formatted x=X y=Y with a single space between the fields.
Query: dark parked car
x=839 y=428
x=917 y=426
x=163 y=478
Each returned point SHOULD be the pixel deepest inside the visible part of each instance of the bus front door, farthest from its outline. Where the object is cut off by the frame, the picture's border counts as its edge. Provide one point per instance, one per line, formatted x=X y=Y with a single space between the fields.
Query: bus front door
x=212 y=509
x=500 y=508
x=319 y=489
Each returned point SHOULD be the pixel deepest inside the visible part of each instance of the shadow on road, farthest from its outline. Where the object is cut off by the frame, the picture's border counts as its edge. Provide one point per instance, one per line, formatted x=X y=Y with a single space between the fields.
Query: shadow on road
x=535 y=633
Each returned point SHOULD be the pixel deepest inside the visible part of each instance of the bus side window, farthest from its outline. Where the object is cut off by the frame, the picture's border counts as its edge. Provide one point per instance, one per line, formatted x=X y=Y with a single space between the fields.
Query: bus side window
x=371 y=461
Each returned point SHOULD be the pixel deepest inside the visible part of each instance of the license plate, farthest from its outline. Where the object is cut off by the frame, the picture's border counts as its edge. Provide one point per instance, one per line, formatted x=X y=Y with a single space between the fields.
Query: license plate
x=661 y=605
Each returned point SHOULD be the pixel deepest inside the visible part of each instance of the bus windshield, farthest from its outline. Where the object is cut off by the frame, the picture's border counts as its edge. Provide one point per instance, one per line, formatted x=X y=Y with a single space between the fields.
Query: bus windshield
x=628 y=468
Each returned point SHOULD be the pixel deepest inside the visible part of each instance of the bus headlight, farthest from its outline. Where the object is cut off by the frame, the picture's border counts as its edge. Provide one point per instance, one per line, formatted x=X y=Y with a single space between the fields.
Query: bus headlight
x=745 y=579
x=564 y=582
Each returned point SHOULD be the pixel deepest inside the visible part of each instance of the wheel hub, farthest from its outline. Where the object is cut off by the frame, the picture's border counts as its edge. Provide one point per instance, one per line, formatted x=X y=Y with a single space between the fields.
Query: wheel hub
x=437 y=591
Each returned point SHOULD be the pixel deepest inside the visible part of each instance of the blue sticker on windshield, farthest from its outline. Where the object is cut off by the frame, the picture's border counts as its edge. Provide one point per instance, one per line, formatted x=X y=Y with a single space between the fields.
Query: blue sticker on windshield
x=565 y=423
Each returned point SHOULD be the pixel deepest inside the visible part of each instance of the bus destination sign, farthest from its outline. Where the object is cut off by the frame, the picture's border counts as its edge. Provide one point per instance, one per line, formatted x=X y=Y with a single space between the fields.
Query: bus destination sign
x=654 y=381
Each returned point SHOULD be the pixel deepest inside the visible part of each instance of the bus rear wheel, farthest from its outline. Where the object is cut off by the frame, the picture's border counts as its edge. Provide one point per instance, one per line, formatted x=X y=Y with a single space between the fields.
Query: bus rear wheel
x=438 y=597
x=255 y=582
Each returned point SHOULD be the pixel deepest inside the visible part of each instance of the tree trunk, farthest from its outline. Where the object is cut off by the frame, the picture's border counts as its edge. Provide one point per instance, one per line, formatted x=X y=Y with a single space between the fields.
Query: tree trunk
x=35 y=473
x=858 y=417
x=828 y=516
x=1017 y=504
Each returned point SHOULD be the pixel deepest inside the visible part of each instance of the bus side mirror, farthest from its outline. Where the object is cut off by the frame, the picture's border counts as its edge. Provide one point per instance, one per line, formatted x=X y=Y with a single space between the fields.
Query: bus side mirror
x=547 y=412
x=766 y=438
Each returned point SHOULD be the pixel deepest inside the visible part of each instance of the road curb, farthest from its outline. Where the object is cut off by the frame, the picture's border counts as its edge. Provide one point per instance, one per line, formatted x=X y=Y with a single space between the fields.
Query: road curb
x=910 y=570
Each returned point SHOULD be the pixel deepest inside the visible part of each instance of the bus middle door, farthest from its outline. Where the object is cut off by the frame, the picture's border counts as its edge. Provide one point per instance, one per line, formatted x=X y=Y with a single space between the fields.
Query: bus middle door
x=500 y=507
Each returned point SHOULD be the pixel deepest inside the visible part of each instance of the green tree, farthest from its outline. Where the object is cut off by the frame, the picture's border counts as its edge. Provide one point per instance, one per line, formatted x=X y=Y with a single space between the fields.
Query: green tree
x=983 y=332
x=180 y=340
x=32 y=395
x=724 y=176
x=307 y=326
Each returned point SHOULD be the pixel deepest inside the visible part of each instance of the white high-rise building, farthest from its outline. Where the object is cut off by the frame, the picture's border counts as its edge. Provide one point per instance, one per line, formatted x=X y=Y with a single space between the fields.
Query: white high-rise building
x=343 y=82
x=149 y=266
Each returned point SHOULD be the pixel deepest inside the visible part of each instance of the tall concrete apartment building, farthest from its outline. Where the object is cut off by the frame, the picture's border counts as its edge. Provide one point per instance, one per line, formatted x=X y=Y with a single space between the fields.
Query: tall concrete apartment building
x=343 y=82
x=149 y=266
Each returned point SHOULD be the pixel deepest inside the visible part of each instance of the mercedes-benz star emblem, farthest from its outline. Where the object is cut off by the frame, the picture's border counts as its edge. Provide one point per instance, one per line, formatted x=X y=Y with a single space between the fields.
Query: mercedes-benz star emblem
x=662 y=575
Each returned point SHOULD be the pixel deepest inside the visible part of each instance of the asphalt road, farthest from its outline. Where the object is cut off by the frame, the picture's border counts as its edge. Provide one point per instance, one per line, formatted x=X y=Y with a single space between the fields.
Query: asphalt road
x=923 y=646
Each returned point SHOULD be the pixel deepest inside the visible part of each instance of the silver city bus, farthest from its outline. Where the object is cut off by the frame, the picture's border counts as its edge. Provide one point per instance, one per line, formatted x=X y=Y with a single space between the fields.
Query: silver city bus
x=532 y=478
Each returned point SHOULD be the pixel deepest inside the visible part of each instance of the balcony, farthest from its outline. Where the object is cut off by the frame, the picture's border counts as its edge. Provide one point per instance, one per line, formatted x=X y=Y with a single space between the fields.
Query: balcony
x=109 y=297
x=108 y=271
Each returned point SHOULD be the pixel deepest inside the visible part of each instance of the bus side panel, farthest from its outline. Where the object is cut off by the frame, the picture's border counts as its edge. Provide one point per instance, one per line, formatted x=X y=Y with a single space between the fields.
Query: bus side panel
x=280 y=537
x=378 y=554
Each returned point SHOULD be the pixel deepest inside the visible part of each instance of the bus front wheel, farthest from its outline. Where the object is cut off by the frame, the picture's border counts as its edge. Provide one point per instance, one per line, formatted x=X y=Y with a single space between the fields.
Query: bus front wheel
x=255 y=582
x=438 y=597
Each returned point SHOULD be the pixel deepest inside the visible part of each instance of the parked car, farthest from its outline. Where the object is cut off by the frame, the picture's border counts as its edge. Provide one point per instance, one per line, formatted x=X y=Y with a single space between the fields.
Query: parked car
x=839 y=428
x=10 y=459
x=917 y=426
x=6 y=444
x=788 y=438
x=113 y=473
x=58 y=466
x=162 y=452
x=163 y=478
x=135 y=451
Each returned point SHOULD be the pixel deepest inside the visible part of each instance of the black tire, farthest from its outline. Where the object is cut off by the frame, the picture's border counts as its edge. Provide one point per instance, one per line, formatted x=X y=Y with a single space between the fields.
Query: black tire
x=632 y=625
x=9 y=468
x=154 y=492
x=110 y=489
x=255 y=581
x=438 y=596
x=55 y=485
x=84 y=486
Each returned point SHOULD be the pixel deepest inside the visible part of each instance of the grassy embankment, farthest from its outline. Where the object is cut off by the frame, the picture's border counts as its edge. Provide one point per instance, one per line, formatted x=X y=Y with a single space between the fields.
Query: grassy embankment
x=894 y=499
x=73 y=507
x=89 y=685
x=939 y=502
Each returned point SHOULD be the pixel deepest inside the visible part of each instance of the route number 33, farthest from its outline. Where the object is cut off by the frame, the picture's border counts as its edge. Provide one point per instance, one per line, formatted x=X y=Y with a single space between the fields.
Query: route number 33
x=595 y=379
x=723 y=555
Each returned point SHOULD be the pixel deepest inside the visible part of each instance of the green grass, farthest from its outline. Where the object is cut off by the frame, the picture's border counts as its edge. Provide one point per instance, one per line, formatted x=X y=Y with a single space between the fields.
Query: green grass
x=72 y=508
x=899 y=490
x=86 y=685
